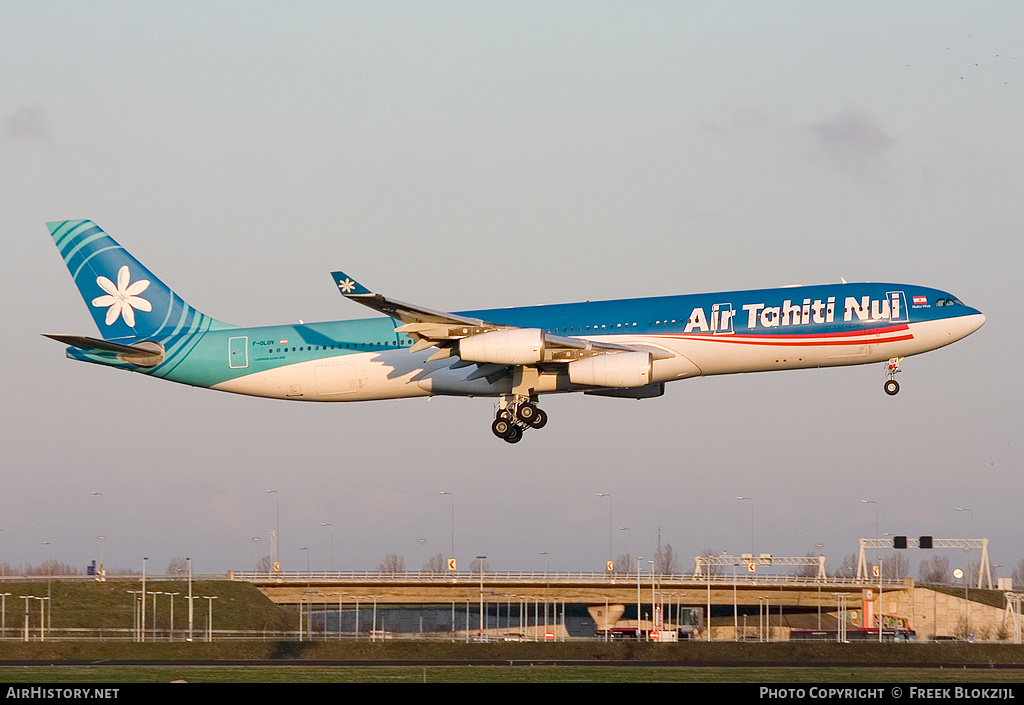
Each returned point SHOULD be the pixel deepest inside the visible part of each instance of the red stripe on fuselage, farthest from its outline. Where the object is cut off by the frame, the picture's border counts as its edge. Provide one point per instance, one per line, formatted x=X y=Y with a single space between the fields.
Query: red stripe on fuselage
x=888 y=334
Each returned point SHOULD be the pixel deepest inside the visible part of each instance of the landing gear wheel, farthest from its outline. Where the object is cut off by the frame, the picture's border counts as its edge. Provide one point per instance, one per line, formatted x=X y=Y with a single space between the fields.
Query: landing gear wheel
x=504 y=415
x=540 y=419
x=527 y=412
x=515 y=435
x=502 y=428
x=892 y=387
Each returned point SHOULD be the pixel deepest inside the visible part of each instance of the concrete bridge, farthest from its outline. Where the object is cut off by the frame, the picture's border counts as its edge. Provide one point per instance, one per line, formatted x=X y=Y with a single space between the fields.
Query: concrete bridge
x=927 y=611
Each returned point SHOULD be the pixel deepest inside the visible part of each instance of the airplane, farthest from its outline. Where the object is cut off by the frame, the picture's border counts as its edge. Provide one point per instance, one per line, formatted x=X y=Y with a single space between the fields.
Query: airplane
x=625 y=348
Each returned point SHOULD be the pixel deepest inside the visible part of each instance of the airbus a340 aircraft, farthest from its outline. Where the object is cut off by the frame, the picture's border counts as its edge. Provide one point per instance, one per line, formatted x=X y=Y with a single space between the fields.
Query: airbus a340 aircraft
x=626 y=348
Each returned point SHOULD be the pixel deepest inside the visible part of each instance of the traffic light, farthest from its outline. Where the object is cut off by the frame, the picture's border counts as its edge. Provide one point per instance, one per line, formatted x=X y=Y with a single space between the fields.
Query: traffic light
x=924 y=542
x=899 y=541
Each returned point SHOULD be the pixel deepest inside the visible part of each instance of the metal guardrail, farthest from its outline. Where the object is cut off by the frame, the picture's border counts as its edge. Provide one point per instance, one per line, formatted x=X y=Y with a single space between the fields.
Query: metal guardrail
x=553 y=577
x=556 y=578
x=108 y=578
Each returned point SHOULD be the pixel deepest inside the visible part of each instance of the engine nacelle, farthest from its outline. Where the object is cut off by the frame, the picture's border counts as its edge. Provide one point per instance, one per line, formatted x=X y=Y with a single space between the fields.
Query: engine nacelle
x=517 y=346
x=624 y=369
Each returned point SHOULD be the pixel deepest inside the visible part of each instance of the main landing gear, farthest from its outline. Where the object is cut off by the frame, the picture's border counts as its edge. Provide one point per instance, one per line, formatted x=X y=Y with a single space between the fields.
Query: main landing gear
x=515 y=416
x=892 y=387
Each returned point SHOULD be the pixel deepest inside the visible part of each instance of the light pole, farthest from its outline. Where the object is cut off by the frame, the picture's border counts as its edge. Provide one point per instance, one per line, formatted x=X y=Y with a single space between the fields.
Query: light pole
x=325 y=525
x=306 y=549
x=971 y=512
x=42 y=617
x=638 y=559
x=275 y=535
x=967 y=566
x=209 y=617
x=191 y=611
x=654 y=598
x=100 y=575
x=49 y=569
x=26 y=598
x=871 y=501
x=751 y=500
x=480 y=563
x=154 y=594
x=821 y=551
x=170 y=628
x=629 y=542
x=422 y=543
x=256 y=554
x=610 y=557
x=3 y=614
x=142 y=631
x=451 y=556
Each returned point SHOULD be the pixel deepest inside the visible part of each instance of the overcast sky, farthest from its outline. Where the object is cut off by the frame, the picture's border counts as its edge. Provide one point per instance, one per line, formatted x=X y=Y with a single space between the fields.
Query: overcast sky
x=465 y=155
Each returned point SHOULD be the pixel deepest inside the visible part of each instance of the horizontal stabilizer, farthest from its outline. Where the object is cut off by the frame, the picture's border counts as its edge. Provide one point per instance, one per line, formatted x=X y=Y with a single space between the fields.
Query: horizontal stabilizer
x=145 y=354
x=87 y=343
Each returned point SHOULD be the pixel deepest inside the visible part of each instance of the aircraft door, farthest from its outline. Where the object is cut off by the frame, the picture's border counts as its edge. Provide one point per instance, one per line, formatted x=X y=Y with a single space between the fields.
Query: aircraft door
x=898 y=311
x=238 y=352
x=721 y=319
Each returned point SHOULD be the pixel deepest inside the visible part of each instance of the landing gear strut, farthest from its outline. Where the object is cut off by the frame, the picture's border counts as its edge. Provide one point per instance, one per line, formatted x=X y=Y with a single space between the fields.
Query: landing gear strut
x=515 y=415
x=892 y=387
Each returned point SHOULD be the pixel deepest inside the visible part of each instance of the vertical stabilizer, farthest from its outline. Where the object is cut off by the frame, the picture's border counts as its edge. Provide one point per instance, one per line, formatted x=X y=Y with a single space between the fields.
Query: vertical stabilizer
x=125 y=299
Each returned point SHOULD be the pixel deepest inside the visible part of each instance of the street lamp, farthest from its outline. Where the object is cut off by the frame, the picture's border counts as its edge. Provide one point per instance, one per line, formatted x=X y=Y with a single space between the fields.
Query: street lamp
x=968 y=554
x=629 y=543
x=100 y=576
x=170 y=629
x=638 y=559
x=451 y=555
x=209 y=618
x=275 y=536
x=871 y=501
x=154 y=594
x=142 y=630
x=191 y=610
x=480 y=562
x=751 y=500
x=610 y=557
x=971 y=512
x=422 y=543
x=325 y=525
x=3 y=614
x=256 y=554
x=306 y=549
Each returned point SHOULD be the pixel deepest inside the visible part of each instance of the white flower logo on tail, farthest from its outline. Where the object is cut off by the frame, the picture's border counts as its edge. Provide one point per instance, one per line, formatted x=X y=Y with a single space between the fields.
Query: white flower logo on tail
x=122 y=299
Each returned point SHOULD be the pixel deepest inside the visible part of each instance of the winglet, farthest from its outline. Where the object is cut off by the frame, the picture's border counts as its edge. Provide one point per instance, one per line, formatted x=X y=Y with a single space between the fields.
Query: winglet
x=349 y=286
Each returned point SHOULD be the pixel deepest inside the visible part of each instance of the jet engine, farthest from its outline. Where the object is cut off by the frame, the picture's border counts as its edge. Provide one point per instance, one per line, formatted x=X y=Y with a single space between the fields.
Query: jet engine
x=624 y=369
x=516 y=346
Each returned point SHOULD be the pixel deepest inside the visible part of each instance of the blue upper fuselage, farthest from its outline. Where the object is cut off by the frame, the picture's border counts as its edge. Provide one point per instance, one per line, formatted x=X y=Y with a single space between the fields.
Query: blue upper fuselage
x=822 y=309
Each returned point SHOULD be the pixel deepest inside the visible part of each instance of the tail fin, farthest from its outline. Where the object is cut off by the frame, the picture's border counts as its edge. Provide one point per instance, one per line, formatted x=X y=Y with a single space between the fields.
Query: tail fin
x=125 y=299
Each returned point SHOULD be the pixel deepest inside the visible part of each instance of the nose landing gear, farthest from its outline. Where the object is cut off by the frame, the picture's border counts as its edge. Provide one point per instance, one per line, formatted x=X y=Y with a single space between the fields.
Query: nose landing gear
x=892 y=387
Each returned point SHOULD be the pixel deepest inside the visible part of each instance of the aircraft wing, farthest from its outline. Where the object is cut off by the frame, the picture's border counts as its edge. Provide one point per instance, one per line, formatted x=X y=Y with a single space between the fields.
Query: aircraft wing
x=430 y=328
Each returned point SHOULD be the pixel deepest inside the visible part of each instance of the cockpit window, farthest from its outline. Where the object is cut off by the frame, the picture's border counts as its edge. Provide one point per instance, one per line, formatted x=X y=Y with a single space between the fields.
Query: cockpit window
x=948 y=302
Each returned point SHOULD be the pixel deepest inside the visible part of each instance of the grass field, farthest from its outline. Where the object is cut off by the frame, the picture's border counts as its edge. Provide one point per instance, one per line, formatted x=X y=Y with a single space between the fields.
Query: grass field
x=498 y=674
